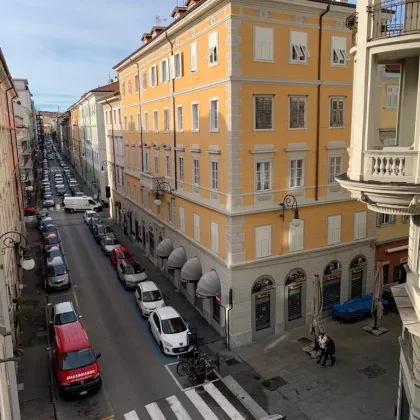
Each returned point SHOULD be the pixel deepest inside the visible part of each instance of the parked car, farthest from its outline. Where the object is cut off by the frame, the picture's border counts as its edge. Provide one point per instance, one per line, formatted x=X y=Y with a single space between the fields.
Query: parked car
x=50 y=240
x=99 y=231
x=46 y=220
x=29 y=211
x=95 y=220
x=47 y=229
x=108 y=243
x=118 y=255
x=131 y=273
x=46 y=192
x=53 y=252
x=148 y=297
x=88 y=215
x=63 y=313
x=48 y=201
x=170 y=330
x=60 y=190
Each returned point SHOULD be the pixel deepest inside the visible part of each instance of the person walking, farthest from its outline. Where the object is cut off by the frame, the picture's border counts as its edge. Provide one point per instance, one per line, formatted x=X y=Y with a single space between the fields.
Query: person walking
x=329 y=352
x=322 y=341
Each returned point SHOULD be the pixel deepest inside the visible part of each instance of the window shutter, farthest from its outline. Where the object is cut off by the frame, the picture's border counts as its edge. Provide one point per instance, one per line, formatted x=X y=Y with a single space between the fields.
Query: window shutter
x=263 y=241
x=296 y=237
x=181 y=219
x=360 y=221
x=215 y=237
x=172 y=67
x=263 y=43
x=181 y=64
x=197 y=227
x=161 y=71
x=193 y=57
x=334 y=230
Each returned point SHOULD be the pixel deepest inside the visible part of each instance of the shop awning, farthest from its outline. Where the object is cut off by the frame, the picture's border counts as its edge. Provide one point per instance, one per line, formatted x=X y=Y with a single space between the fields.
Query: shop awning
x=165 y=248
x=191 y=271
x=209 y=285
x=396 y=249
x=177 y=258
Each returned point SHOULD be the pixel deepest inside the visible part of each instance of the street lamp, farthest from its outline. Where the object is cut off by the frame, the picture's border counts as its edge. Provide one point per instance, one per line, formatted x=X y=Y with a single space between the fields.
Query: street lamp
x=290 y=202
x=161 y=188
x=27 y=262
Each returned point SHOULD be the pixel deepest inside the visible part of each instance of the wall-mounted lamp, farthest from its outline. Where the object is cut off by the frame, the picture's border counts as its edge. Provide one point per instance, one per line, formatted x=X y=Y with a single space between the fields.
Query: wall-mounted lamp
x=290 y=202
x=161 y=188
x=27 y=262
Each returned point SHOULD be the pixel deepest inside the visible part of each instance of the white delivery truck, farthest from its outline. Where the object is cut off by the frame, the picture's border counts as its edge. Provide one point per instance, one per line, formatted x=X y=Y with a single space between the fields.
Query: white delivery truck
x=72 y=204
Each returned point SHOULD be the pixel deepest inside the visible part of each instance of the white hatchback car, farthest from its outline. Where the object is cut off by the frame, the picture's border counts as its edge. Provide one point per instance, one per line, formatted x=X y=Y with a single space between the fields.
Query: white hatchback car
x=88 y=215
x=169 y=330
x=63 y=313
x=148 y=297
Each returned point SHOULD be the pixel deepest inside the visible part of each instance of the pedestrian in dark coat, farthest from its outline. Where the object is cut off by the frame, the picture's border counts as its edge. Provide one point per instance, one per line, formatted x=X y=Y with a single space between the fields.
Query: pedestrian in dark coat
x=329 y=352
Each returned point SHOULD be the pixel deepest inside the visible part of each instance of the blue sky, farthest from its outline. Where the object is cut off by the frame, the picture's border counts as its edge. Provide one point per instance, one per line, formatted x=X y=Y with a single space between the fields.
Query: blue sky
x=67 y=48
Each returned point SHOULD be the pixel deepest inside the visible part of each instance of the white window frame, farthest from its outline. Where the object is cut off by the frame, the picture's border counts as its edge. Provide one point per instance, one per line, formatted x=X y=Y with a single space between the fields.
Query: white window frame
x=357 y=234
x=166 y=120
x=263 y=49
x=168 y=166
x=193 y=57
x=146 y=161
x=289 y=175
x=298 y=46
x=153 y=76
x=137 y=83
x=214 y=174
x=155 y=121
x=132 y=123
x=263 y=180
x=330 y=234
x=293 y=231
x=339 y=55
x=391 y=98
x=125 y=122
x=258 y=229
x=214 y=128
x=146 y=122
x=298 y=98
x=196 y=225
x=129 y=87
x=178 y=68
x=272 y=112
x=215 y=237
x=133 y=156
x=195 y=118
x=181 y=168
x=385 y=219
x=179 y=119
x=139 y=122
x=213 y=50
x=164 y=71
x=196 y=171
x=169 y=212
x=144 y=79
x=181 y=212
x=332 y=167
x=156 y=164
x=338 y=99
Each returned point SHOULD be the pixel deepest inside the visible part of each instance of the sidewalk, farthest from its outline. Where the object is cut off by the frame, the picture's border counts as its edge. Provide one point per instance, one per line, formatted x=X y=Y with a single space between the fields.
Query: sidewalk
x=33 y=369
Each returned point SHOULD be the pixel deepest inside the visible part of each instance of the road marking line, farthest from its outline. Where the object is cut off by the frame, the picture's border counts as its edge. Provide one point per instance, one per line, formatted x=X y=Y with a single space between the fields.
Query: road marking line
x=131 y=415
x=154 y=412
x=177 y=408
x=227 y=407
x=108 y=418
x=173 y=377
x=250 y=404
x=200 y=405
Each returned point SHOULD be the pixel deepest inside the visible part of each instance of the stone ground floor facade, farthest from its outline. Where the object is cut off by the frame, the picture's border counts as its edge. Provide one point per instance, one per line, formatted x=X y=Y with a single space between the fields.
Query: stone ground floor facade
x=393 y=255
x=258 y=298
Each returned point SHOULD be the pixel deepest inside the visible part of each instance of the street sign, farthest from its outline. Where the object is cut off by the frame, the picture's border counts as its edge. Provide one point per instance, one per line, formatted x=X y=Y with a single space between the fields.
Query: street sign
x=218 y=298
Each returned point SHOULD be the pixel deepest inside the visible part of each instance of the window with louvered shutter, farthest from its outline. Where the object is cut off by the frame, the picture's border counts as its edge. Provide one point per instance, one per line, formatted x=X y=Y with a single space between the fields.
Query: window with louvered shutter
x=297 y=111
x=263 y=112
x=263 y=241
x=392 y=92
x=336 y=112
x=215 y=237
x=296 y=237
x=181 y=219
x=359 y=229
x=263 y=43
x=334 y=230
x=197 y=227
x=299 y=51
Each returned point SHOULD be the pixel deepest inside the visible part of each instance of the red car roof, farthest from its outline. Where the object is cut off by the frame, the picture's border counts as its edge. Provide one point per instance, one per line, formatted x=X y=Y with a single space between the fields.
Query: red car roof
x=121 y=249
x=50 y=236
x=71 y=337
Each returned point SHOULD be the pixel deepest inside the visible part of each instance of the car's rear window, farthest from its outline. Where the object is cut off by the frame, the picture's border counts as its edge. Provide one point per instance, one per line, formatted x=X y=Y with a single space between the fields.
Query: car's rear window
x=77 y=359
x=65 y=318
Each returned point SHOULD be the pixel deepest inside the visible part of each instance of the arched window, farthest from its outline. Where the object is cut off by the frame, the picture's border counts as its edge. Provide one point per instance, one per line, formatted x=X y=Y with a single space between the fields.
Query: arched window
x=333 y=267
x=358 y=261
x=262 y=284
x=297 y=275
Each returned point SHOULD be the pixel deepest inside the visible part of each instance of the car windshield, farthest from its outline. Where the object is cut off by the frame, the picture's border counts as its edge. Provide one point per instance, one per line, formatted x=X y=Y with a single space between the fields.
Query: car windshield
x=77 y=359
x=56 y=270
x=173 y=326
x=122 y=255
x=65 y=318
x=133 y=269
x=111 y=241
x=152 y=296
x=48 y=197
x=49 y=228
x=52 y=239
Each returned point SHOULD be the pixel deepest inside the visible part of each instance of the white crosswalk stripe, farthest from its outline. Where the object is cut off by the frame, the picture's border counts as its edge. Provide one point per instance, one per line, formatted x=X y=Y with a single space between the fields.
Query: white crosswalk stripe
x=155 y=412
x=131 y=415
x=200 y=405
x=178 y=409
x=227 y=407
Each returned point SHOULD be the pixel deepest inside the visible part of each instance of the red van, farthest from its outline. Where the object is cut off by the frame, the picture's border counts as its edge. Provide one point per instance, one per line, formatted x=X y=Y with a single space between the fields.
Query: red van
x=75 y=362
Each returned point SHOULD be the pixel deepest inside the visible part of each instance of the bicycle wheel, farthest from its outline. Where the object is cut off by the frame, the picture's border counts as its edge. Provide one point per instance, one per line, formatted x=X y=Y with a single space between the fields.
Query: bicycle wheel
x=183 y=368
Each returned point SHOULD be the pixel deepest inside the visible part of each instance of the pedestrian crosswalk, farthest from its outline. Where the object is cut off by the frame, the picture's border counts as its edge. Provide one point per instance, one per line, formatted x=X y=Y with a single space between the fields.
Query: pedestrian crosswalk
x=213 y=400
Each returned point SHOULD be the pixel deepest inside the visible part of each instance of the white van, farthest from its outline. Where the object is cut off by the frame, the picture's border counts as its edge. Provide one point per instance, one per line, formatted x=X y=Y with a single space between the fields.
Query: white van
x=72 y=204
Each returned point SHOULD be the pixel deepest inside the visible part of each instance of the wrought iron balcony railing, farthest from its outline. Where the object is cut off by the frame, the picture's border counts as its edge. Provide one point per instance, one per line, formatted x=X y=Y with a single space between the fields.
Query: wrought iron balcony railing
x=394 y=18
x=351 y=23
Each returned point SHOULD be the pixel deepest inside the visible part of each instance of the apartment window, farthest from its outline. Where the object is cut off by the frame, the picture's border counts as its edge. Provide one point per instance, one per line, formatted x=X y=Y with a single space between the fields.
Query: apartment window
x=155 y=121
x=149 y=200
x=181 y=219
x=125 y=122
x=110 y=117
x=157 y=168
x=385 y=219
x=193 y=57
x=139 y=122
x=146 y=161
x=119 y=116
x=296 y=173
x=297 y=111
x=196 y=171
x=334 y=230
x=335 y=168
x=166 y=120
x=197 y=227
x=263 y=43
x=146 y=122
x=339 y=54
x=168 y=165
x=133 y=156
x=142 y=195
x=214 y=115
x=115 y=116
x=195 y=117
x=263 y=176
x=336 y=112
x=144 y=78
x=179 y=120
x=296 y=235
x=123 y=89
x=215 y=237
x=392 y=92
x=405 y=219
x=181 y=168
x=178 y=65
x=213 y=51
x=153 y=76
x=134 y=193
x=263 y=241
x=359 y=225
x=299 y=52
x=136 y=82
x=169 y=211
x=164 y=71
x=129 y=87
x=131 y=123
x=214 y=175
x=263 y=109
x=106 y=117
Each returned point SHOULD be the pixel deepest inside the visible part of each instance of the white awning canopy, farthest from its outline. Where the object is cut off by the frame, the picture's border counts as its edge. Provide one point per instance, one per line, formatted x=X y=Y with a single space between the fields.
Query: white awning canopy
x=209 y=285
x=165 y=248
x=396 y=249
x=177 y=258
x=191 y=271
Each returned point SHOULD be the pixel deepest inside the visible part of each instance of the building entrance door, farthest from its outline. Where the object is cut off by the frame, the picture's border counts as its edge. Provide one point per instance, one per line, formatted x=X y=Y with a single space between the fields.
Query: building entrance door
x=263 y=308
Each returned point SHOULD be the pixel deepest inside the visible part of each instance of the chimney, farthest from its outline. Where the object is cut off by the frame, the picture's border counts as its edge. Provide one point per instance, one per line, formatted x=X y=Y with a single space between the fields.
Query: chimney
x=178 y=11
x=146 y=37
x=190 y=3
x=156 y=30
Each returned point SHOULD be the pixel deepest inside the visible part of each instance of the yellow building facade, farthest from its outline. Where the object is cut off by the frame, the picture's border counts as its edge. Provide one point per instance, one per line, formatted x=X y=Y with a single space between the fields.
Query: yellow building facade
x=76 y=151
x=239 y=107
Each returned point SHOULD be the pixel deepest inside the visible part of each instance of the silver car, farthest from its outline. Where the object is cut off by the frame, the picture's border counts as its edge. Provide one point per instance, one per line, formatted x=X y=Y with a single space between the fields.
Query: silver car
x=57 y=274
x=131 y=273
x=108 y=243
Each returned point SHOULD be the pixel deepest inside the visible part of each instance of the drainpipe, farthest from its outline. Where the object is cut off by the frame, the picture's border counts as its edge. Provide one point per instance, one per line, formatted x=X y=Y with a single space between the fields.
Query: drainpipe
x=318 y=111
x=141 y=116
x=173 y=116
x=113 y=145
